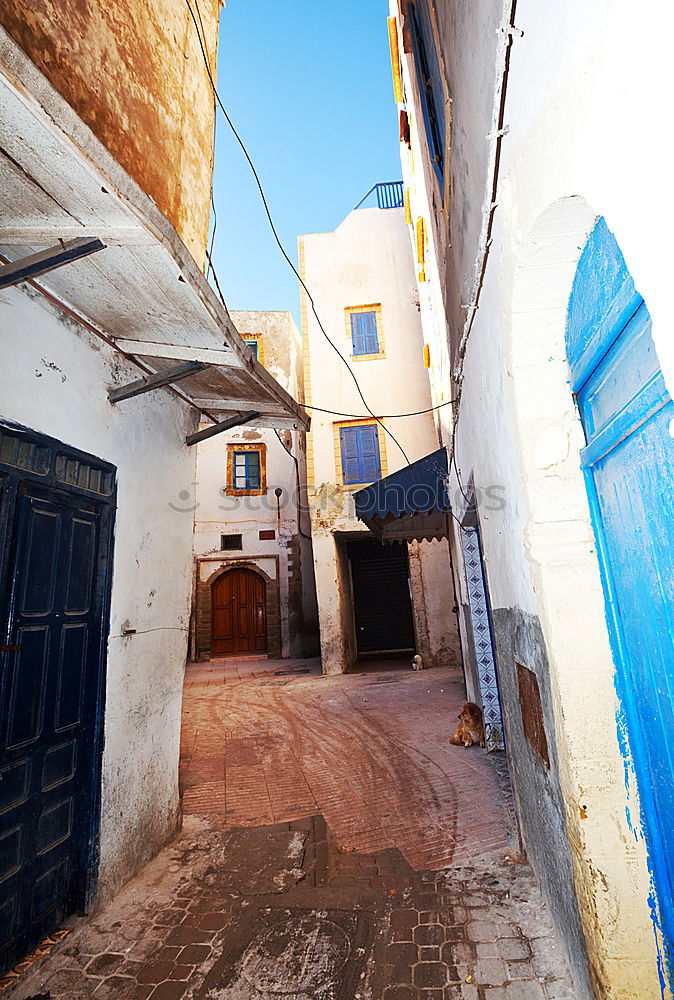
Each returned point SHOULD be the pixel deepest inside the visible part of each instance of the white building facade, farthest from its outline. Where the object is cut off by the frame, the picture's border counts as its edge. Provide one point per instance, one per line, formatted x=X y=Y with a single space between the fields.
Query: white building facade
x=373 y=599
x=254 y=590
x=542 y=240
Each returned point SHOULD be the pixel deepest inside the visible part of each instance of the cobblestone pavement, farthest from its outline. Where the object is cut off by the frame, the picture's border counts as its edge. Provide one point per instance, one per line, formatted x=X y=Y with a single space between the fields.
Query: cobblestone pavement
x=335 y=847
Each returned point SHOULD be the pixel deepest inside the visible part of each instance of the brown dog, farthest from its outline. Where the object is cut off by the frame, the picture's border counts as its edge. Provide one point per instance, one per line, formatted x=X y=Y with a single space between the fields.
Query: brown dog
x=470 y=729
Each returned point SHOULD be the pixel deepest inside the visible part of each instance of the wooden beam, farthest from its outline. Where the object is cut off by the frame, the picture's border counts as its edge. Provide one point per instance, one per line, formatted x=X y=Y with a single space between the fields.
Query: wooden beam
x=35 y=236
x=264 y=404
x=224 y=425
x=48 y=260
x=179 y=352
x=142 y=385
x=266 y=421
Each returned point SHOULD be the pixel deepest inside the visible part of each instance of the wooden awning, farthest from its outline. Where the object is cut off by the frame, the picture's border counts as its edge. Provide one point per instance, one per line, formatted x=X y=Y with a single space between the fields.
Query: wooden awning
x=142 y=292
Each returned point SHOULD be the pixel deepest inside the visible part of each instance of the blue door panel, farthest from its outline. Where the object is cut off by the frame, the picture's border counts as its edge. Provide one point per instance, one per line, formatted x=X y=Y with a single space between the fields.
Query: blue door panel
x=621 y=377
x=629 y=466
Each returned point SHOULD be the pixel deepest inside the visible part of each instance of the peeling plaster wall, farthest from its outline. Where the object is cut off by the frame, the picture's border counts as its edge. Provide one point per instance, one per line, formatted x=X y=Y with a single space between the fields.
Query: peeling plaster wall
x=216 y=514
x=578 y=74
x=436 y=626
x=135 y=74
x=57 y=384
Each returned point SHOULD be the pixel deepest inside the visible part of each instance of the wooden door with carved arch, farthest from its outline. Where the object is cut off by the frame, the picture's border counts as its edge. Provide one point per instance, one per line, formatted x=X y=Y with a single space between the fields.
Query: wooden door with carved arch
x=239 y=614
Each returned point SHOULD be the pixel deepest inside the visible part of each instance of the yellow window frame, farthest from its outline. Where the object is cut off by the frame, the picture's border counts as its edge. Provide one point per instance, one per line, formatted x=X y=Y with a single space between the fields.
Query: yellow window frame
x=381 y=438
x=257 y=337
x=374 y=307
x=230 y=489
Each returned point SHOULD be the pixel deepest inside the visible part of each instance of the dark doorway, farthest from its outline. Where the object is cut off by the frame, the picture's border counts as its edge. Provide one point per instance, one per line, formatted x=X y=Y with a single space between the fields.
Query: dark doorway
x=56 y=519
x=381 y=596
x=239 y=614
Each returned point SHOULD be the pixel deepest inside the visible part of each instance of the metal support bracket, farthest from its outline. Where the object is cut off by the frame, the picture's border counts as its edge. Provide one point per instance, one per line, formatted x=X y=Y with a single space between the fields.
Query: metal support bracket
x=225 y=425
x=142 y=385
x=48 y=260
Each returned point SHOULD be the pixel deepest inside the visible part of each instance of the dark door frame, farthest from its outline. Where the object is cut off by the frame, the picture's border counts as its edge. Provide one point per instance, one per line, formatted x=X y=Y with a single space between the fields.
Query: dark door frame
x=31 y=459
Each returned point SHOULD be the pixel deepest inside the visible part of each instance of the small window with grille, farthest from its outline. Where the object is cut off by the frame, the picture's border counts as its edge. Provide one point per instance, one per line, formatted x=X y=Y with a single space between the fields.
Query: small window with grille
x=231 y=542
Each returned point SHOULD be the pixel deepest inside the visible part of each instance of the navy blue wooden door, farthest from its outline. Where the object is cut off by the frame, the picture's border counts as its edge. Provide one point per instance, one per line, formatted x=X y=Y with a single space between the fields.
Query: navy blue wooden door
x=628 y=418
x=50 y=706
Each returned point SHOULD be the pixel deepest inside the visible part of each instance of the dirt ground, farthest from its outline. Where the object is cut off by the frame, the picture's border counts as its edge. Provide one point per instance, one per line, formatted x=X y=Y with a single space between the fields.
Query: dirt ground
x=335 y=846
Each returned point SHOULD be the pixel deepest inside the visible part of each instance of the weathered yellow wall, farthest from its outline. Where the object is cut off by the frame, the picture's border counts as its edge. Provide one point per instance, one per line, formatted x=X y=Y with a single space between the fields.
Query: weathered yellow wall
x=134 y=73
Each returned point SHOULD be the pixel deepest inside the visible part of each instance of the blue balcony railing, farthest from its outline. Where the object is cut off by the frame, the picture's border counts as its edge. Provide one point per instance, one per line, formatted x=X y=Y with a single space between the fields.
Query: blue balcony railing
x=387 y=195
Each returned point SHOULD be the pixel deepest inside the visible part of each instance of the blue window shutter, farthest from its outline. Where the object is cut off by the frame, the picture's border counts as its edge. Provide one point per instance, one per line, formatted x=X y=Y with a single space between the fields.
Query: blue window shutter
x=360 y=454
x=369 y=323
x=364 y=338
x=369 y=448
x=357 y=337
x=349 y=449
x=430 y=85
x=253 y=470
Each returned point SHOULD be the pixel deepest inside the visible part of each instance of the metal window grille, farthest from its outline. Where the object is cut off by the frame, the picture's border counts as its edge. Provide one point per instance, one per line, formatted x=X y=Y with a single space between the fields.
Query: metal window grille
x=228 y=542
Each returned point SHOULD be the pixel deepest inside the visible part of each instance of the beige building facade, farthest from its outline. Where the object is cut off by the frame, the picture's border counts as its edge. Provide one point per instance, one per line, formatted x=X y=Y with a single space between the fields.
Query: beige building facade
x=129 y=70
x=254 y=591
x=373 y=599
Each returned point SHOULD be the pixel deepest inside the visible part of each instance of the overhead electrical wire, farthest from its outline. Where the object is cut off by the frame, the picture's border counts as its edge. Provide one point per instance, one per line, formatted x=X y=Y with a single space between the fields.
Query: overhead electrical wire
x=215 y=279
x=277 y=238
x=384 y=416
x=209 y=252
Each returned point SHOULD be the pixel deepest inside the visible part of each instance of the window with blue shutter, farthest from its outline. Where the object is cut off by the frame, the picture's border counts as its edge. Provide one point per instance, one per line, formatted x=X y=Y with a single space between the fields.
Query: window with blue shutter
x=360 y=454
x=253 y=344
x=246 y=471
x=430 y=84
x=364 y=339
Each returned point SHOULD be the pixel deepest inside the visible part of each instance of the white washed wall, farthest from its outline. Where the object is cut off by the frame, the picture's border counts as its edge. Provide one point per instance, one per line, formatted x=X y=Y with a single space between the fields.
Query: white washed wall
x=54 y=378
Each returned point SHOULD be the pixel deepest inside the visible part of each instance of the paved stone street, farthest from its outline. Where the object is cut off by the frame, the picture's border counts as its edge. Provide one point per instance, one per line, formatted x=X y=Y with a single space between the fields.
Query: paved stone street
x=335 y=846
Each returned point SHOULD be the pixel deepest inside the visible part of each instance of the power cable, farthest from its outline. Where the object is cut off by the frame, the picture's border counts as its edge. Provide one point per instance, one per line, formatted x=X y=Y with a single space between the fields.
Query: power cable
x=278 y=240
x=384 y=416
x=209 y=252
x=215 y=279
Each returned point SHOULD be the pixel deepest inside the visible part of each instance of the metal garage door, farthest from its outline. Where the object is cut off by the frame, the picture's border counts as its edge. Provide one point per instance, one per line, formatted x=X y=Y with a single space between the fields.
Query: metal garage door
x=381 y=596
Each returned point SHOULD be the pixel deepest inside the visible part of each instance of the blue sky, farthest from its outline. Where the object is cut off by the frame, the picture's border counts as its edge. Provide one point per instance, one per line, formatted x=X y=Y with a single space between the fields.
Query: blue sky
x=308 y=86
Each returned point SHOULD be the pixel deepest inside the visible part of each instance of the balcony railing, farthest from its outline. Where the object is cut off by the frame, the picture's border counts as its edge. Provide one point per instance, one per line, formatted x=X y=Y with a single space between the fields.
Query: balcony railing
x=387 y=195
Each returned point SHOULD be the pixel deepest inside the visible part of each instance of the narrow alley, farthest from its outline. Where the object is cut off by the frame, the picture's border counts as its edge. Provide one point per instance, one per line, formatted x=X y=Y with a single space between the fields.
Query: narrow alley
x=336 y=433
x=334 y=846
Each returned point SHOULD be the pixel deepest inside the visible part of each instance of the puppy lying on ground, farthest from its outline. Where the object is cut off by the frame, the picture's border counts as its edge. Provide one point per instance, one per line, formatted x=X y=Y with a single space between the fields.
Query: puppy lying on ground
x=470 y=729
x=417 y=662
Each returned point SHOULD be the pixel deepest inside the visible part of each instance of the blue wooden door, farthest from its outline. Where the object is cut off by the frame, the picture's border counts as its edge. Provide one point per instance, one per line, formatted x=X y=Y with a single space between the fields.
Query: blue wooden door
x=53 y=557
x=628 y=419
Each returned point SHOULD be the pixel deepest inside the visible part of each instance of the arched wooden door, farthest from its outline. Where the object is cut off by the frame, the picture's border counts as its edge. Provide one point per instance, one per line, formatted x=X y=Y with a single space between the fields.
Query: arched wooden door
x=239 y=614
